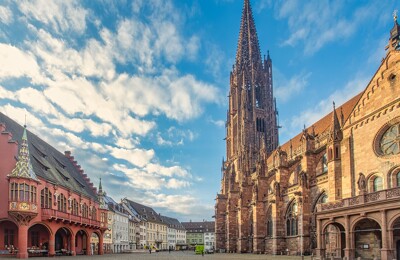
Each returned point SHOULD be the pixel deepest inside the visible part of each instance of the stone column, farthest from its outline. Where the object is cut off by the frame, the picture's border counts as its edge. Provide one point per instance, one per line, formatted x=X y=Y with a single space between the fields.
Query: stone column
x=72 y=248
x=88 y=246
x=320 y=250
x=101 y=249
x=52 y=241
x=385 y=250
x=348 y=251
x=22 y=241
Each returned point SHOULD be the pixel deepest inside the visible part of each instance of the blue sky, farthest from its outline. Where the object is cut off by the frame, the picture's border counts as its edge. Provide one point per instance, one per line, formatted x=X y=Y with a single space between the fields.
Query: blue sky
x=137 y=90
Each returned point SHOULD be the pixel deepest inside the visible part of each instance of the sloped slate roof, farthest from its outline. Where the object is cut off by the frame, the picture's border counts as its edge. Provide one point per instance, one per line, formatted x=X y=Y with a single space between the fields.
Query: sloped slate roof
x=49 y=163
x=173 y=223
x=201 y=227
x=321 y=125
x=146 y=212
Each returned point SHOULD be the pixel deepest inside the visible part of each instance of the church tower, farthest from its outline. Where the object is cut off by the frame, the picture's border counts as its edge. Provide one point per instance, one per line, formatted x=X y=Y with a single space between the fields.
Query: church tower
x=251 y=136
x=251 y=118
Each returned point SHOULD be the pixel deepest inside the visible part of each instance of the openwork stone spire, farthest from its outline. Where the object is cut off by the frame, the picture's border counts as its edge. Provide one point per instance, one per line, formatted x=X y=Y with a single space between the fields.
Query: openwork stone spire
x=23 y=168
x=248 y=52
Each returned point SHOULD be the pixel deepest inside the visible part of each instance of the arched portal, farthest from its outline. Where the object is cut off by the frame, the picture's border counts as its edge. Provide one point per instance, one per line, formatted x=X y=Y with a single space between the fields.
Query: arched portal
x=368 y=239
x=396 y=237
x=8 y=237
x=62 y=244
x=95 y=243
x=38 y=239
x=81 y=242
x=335 y=240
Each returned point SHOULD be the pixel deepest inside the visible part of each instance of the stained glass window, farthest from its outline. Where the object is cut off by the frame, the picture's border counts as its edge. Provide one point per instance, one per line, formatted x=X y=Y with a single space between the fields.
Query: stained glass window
x=390 y=142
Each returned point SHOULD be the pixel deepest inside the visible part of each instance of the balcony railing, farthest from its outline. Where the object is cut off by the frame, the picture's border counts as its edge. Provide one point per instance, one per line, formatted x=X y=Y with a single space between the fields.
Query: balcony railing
x=48 y=214
x=367 y=198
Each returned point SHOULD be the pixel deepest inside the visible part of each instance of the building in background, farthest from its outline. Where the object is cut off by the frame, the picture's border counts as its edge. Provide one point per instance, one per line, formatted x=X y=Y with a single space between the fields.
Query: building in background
x=333 y=190
x=49 y=204
x=120 y=226
x=195 y=232
x=155 y=228
x=176 y=233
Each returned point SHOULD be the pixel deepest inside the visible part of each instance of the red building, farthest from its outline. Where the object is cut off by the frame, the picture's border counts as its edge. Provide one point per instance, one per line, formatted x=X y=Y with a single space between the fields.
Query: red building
x=48 y=204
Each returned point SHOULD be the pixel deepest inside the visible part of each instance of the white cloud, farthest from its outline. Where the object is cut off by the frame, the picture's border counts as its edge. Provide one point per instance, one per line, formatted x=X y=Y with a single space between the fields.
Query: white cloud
x=61 y=16
x=287 y=88
x=36 y=100
x=15 y=63
x=6 y=16
x=219 y=123
x=138 y=157
x=167 y=171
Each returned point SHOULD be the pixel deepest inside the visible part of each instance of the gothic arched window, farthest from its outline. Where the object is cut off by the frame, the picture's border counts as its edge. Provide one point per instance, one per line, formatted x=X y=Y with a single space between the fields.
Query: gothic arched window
x=398 y=179
x=291 y=220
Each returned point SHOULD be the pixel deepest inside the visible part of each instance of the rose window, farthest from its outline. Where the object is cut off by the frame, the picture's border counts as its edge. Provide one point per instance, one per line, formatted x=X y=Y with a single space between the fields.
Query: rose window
x=390 y=141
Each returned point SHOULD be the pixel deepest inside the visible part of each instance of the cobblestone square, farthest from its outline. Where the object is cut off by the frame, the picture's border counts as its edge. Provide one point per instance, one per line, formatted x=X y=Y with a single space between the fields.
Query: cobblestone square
x=179 y=256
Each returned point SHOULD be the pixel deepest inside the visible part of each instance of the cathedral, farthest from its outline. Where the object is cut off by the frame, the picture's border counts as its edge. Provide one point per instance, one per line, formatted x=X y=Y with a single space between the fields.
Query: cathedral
x=333 y=190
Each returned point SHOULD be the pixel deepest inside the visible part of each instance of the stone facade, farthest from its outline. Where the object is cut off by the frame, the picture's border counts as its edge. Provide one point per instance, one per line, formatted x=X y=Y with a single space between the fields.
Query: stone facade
x=332 y=191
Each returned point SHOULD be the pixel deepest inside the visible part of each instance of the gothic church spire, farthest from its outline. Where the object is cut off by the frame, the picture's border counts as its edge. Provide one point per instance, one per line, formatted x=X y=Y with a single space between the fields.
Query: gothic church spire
x=248 y=51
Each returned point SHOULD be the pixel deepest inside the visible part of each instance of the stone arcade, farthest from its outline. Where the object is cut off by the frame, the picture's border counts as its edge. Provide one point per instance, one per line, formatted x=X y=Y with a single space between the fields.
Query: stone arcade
x=50 y=206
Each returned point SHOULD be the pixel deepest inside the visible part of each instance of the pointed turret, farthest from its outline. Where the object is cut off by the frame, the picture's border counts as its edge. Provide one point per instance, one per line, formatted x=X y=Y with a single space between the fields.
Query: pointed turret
x=100 y=195
x=394 y=40
x=335 y=127
x=100 y=187
x=248 y=52
x=23 y=168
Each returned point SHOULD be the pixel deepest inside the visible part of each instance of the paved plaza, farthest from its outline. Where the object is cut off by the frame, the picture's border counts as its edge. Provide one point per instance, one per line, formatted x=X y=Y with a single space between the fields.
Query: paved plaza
x=177 y=256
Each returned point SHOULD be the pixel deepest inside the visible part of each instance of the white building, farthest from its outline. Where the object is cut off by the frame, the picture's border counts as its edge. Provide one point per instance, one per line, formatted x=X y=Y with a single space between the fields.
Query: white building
x=140 y=224
x=120 y=226
x=176 y=233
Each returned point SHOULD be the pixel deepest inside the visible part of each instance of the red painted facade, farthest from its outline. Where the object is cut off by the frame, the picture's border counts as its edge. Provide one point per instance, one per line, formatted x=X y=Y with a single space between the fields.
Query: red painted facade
x=39 y=217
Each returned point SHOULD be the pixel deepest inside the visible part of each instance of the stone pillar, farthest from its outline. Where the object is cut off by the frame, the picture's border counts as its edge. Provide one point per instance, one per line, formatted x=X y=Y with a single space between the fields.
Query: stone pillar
x=72 y=248
x=348 y=251
x=385 y=250
x=320 y=250
x=101 y=249
x=52 y=241
x=22 y=241
x=88 y=246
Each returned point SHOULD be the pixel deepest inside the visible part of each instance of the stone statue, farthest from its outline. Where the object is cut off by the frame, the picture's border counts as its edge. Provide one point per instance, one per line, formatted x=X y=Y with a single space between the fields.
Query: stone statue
x=362 y=182
x=277 y=189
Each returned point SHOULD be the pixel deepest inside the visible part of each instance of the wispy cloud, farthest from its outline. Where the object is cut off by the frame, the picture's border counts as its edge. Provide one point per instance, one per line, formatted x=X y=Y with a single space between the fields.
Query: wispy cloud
x=287 y=88
x=314 y=24
x=340 y=96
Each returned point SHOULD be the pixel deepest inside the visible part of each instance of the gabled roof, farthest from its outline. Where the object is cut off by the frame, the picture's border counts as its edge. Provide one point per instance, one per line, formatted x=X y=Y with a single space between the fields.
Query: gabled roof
x=48 y=163
x=172 y=223
x=322 y=125
x=146 y=212
x=199 y=227
x=114 y=206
